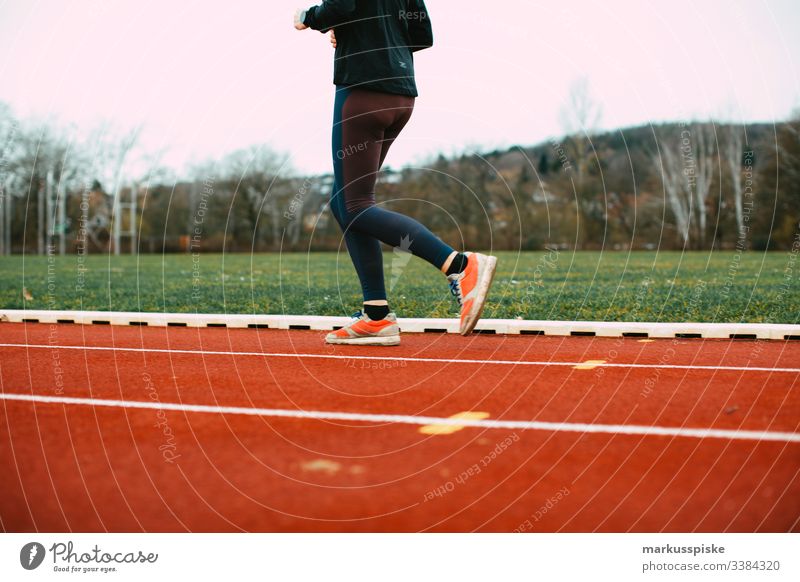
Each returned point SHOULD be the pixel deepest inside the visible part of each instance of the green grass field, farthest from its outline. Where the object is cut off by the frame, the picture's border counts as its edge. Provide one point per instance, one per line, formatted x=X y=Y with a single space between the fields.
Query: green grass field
x=565 y=285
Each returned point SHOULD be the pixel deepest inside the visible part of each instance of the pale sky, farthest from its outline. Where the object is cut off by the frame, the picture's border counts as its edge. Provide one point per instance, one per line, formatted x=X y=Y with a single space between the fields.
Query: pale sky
x=209 y=77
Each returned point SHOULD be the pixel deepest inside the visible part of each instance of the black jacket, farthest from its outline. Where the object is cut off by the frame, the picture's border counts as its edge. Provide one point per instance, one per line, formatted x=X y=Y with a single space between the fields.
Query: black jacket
x=375 y=40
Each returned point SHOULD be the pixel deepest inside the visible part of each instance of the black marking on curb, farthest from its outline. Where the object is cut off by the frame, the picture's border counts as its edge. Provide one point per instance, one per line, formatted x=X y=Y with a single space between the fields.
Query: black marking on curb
x=689 y=335
x=531 y=332
x=138 y=323
x=434 y=330
x=30 y=321
x=65 y=321
x=300 y=327
x=258 y=325
x=583 y=333
x=635 y=334
x=743 y=336
x=216 y=325
x=792 y=337
x=176 y=324
x=100 y=322
x=484 y=331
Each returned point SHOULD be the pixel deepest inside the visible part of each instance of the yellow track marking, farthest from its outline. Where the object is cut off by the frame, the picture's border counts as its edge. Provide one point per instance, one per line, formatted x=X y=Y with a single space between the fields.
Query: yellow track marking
x=321 y=466
x=436 y=429
x=589 y=365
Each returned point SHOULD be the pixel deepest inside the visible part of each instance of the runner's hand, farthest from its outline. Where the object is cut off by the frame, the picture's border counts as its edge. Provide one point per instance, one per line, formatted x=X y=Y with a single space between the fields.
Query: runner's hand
x=299 y=16
x=333 y=38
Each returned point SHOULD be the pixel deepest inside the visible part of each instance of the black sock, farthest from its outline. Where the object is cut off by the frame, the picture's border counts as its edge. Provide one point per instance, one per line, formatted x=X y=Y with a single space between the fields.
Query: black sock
x=376 y=312
x=458 y=265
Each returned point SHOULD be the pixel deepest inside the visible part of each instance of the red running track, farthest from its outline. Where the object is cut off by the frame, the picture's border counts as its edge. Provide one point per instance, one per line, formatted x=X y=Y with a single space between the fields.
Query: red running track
x=86 y=467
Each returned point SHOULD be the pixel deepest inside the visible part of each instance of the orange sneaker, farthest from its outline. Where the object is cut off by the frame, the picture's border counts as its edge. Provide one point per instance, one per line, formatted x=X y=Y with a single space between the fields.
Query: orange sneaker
x=363 y=331
x=471 y=287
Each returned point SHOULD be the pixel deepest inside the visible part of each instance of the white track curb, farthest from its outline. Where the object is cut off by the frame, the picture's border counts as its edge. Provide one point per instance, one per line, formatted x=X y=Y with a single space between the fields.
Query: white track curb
x=490 y=326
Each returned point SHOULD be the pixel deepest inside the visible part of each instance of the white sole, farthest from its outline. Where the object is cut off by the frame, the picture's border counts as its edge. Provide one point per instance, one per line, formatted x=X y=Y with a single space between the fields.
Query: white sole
x=480 y=298
x=389 y=340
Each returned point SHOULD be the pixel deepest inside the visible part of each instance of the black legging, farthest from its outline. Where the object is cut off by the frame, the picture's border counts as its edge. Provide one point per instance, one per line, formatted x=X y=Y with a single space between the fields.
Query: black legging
x=365 y=123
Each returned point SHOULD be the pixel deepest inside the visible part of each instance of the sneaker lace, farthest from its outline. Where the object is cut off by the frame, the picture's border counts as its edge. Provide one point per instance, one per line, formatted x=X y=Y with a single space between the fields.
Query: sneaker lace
x=357 y=315
x=455 y=289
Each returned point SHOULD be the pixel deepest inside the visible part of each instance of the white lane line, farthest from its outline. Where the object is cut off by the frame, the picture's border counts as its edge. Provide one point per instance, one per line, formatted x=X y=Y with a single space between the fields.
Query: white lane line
x=628 y=429
x=405 y=359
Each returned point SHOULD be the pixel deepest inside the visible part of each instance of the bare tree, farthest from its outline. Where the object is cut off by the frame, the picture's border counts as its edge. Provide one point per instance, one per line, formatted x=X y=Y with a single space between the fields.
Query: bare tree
x=703 y=135
x=41 y=168
x=257 y=176
x=686 y=166
x=732 y=155
x=671 y=172
x=581 y=113
x=8 y=136
x=580 y=117
x=110 y=152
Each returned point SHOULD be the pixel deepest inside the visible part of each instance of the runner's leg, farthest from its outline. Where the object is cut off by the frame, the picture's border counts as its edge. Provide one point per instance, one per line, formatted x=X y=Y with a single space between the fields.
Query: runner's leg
x=370 y=122
x=365 y=250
